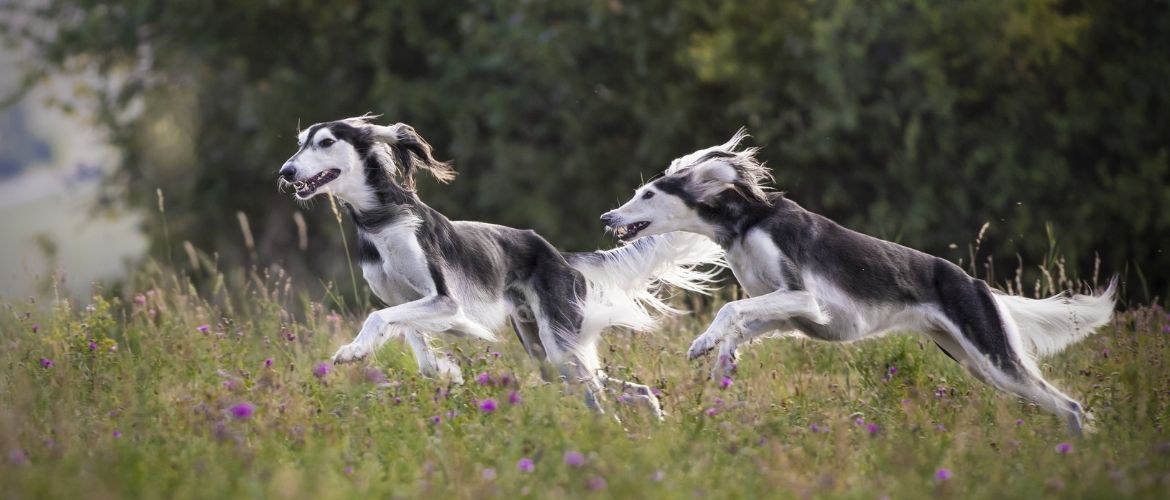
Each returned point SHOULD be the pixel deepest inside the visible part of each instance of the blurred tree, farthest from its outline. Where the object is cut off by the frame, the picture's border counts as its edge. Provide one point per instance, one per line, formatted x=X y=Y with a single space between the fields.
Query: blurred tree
x=915 y=121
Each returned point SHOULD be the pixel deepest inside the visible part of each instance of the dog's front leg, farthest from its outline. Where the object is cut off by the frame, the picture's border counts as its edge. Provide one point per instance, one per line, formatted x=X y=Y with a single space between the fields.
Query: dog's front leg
x=435 y=313
x=372 y=335
x=432 y=362
x=744 y=319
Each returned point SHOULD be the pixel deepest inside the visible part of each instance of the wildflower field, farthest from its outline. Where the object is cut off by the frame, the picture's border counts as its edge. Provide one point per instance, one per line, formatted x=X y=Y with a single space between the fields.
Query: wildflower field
x=164 y=392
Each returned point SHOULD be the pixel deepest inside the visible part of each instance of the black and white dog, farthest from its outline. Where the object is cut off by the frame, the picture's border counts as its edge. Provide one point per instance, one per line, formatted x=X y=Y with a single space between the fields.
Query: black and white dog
x=469 y=278
x=807 y=275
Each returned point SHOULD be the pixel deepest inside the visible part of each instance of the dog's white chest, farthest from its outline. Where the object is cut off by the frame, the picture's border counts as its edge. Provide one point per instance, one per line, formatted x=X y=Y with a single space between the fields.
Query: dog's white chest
x=401 y=273
x=755 y=261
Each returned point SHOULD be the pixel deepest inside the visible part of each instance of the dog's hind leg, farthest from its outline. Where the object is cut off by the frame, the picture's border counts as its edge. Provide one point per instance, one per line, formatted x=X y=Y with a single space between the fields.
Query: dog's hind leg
x=560 y=320
x=432 y=362
x=636 y=392
x=529 y=333
x=981 y=337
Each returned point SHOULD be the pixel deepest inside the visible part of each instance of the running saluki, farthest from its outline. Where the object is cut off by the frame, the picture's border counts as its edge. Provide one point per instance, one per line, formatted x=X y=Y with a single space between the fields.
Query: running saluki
x=809 y=276
x=469 y=278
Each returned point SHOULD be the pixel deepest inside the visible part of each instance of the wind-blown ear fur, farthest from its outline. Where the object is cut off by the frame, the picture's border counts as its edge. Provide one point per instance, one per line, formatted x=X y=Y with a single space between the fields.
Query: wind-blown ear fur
x=411 y=152
x=723 y=168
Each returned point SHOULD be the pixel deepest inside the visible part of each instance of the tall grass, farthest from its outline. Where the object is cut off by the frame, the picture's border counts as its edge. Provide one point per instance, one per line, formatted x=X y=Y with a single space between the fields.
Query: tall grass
x=140 y=397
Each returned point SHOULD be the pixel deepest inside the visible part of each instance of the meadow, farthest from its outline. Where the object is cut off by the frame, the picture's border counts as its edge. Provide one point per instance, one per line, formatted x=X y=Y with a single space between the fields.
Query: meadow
x=163 y=390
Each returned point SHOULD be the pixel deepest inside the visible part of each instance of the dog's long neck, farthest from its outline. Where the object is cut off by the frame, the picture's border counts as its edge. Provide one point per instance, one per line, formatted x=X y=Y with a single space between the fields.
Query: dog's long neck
x=384 y=202
x=732 y=215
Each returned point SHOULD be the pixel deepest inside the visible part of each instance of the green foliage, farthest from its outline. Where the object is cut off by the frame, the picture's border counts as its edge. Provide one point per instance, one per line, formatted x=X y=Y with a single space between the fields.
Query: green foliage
x=916 y=121
x=138 y=402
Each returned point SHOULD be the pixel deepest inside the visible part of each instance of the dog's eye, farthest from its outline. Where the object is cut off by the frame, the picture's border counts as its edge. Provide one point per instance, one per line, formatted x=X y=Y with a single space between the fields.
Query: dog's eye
x=648 y=195
x=326 y=142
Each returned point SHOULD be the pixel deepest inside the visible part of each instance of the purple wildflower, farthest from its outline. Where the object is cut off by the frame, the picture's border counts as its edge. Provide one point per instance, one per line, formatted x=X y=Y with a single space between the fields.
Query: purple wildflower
x=489 y=474
x=436 y=420
x=725 y=383
x=451 y=414
x=243 y=410
x=574 y=459
x=940 y=427
x=596 y=483
x=1064 y=448
x=814 y=428
x=376 y=376
x=140 y=300
x=658 y=476
x=203 y=328
x=525 y=465
x=289 y=335
x=1019 y=422
x=348 y=470
x=17 y=457
x=47 y=363
x=859 y=421
x=889 y=374
x=321 y=370
x=488 y=405
x=1165 y=329
x=943 y=474
x=712 y=411
x=514 y=398
x=92 y=345
x=117 y=434
x=484 y=379
x=36 y=327
x=1105 y=353
x=268 y=363
x=495 y=354
x=872 y=428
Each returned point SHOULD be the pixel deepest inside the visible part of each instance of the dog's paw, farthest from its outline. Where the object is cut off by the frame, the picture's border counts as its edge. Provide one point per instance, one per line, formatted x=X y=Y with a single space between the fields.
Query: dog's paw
x=702 y=345
x=350 y=353
x=726 y=365
x=444 y=368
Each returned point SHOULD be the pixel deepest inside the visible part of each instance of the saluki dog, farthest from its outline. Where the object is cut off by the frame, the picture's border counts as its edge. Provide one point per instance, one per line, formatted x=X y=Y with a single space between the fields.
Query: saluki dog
x=807 y=275
x=469 y=278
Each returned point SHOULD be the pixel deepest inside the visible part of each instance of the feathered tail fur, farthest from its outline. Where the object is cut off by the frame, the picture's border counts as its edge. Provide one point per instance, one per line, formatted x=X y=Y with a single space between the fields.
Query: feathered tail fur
x=628 y=286
x=1049 y=325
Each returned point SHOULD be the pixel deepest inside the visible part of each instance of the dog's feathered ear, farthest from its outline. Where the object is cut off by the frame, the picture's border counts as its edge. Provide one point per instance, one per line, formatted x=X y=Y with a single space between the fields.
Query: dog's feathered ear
x=726 y=169
x=411 y=152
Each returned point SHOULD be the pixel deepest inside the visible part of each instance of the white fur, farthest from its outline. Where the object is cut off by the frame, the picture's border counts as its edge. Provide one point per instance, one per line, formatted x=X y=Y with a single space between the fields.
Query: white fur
x=826 y=304
x=1049 y=325
x=625 y=287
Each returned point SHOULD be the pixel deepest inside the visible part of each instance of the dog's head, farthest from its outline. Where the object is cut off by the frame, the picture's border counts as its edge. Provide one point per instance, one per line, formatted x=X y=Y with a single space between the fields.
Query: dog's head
x=345 y=157
x=692 y=186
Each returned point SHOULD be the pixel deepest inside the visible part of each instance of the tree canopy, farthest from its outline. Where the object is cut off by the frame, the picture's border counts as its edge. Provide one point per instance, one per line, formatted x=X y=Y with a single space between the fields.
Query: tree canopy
x=909 y=120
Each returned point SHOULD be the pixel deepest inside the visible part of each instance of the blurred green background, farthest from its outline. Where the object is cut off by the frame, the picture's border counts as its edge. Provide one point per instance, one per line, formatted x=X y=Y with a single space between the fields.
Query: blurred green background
x=916 y=121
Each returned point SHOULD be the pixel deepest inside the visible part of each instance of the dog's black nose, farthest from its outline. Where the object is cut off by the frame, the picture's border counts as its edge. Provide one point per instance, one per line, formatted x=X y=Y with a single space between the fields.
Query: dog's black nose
x=288 y=172
x=608 y=218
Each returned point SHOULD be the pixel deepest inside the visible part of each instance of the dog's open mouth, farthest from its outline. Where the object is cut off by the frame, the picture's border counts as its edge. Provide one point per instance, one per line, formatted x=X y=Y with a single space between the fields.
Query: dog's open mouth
x=309 y=186
x=629 y=231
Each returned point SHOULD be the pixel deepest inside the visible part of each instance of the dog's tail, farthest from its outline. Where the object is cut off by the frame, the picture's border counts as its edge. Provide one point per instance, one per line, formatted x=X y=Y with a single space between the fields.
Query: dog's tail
x=629 y=286
x=1049 y=325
